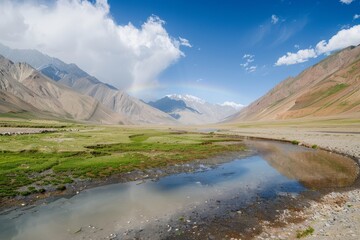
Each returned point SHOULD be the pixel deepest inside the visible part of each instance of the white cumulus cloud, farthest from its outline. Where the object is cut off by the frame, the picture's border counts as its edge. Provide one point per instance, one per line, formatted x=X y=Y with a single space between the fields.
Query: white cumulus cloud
x=298 y=57
x=233 y=105
x=85 y=33
x=346 y=1
x=342 y=39
x=356 y=16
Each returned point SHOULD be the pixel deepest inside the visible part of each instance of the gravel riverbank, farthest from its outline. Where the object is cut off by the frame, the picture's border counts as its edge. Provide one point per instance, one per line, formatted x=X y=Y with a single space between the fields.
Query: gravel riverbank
x=337 y=214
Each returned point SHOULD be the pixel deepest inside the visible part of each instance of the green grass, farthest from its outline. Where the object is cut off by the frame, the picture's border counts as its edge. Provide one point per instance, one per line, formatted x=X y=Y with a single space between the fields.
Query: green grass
x=334 y=89
x=26 y=123
x=55 y=159
x=24 y=116
x=305 y=233
x=316 y=97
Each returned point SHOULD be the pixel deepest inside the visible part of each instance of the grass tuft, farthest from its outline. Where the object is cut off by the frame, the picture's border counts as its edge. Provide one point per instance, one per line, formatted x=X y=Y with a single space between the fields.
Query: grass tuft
x=305 y=233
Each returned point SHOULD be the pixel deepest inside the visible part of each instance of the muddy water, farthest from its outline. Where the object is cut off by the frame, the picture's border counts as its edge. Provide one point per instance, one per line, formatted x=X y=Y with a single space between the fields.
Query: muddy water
x=144 y=209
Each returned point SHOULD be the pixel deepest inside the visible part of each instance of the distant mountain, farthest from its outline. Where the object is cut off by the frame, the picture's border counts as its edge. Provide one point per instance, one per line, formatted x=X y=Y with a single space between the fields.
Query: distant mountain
x=72 y=76
x=172 y=106
x=329 y=88
x=23 y=88
x=189 y=109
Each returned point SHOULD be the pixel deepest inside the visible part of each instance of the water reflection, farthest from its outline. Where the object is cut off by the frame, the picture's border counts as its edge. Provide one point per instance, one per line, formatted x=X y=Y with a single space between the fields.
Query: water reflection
x=315 y=169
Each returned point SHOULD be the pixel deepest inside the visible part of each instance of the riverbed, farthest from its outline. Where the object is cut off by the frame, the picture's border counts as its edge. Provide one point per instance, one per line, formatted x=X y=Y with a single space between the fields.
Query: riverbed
x=227 y=198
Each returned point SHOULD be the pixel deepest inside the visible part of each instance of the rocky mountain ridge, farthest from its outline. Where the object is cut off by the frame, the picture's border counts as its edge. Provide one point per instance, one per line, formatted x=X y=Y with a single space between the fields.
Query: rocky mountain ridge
x=23 y=88
x=329 y=88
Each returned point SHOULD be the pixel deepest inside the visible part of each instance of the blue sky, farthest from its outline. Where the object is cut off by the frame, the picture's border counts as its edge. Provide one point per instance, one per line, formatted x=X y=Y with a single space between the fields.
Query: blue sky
x=222 y=32
x=227 y=50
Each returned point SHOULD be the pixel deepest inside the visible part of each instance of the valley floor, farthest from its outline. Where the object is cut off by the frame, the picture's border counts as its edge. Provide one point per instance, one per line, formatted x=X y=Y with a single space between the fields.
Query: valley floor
x=335 y=216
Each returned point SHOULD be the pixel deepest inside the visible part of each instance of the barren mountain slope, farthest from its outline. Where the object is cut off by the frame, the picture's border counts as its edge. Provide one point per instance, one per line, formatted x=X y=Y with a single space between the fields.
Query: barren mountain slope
x=9 y=103
x=329 y=88
x=24 y=88
x=120 y=102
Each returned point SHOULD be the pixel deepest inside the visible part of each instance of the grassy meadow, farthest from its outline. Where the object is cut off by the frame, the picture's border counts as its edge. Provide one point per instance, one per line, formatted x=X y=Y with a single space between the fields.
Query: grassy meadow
x=34 y=163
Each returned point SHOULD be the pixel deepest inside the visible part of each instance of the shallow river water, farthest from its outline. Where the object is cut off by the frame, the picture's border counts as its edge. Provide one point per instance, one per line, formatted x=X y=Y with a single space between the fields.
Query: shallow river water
x=125 y=209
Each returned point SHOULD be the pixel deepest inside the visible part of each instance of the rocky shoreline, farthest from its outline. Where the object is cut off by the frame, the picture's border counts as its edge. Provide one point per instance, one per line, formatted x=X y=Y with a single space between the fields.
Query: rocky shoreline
x=334 y=216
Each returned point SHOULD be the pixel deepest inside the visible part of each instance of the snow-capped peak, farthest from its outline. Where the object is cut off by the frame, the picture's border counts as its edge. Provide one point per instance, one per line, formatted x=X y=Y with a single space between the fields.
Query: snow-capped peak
x=186 y=97
x=233 y=104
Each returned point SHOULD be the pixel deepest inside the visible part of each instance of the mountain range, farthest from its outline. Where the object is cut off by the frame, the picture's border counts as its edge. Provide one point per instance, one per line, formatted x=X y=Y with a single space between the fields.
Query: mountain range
x=136 y=111
x=23 y=88
x=188 y=109
x=33 y=82
x=131 y=109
